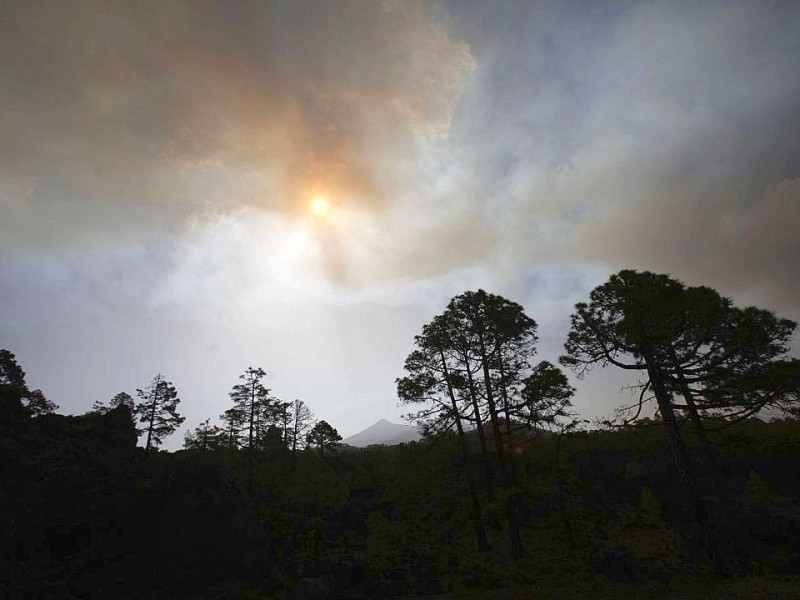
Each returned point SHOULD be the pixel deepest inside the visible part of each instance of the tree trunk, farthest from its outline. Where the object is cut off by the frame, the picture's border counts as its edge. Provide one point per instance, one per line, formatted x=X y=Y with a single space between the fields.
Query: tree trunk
x=562 y=500
x=498 y=440
x=473 y=394
x=694 y=416
x=514 y=507
x=724 y=543
x=512 y=514
x=680 y=453
x=250 y=438
x=506 y=411
x=152 y=413
x=294 y=438
x=480 y=529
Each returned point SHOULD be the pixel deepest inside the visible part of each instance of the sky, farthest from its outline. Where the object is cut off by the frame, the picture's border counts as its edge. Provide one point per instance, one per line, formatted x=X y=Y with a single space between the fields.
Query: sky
x=159 y=162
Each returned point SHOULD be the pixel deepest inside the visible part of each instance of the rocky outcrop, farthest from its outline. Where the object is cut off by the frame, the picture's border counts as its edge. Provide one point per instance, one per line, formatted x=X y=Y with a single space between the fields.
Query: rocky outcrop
x=114 y=430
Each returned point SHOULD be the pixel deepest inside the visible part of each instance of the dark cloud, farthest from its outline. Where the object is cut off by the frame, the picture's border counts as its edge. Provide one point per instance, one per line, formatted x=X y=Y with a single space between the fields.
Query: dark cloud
x=650 y=135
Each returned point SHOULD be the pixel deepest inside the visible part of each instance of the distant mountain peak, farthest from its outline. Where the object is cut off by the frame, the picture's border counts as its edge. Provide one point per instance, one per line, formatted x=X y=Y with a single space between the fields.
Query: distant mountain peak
x=383 y=432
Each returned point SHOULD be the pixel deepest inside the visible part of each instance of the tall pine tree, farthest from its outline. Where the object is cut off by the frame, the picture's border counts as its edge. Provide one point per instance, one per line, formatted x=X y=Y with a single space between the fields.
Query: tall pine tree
x=158 y=411
x=251 y=401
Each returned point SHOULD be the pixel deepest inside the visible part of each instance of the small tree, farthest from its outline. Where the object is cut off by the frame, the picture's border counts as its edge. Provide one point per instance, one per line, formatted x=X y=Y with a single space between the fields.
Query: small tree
x=234 y=426
x=37 y=404
x=204 y=437
x=158 y=410
x=273 y=425
x=545 y=401
x=323 y=436
x=252 y=403
x=302 y=420
x=121 y=399
x=250 y=400
x=13 y=387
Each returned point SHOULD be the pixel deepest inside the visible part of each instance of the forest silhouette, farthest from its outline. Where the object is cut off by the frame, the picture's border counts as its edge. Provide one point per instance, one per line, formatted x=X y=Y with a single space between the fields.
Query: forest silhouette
x=690 y=492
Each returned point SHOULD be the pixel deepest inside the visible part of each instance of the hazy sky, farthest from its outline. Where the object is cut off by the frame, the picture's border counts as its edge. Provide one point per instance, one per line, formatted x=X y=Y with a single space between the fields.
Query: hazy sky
x=158 y=161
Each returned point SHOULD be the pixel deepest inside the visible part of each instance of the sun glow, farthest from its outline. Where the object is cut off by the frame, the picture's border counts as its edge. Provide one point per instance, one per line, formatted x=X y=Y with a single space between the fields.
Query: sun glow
x=320 y=206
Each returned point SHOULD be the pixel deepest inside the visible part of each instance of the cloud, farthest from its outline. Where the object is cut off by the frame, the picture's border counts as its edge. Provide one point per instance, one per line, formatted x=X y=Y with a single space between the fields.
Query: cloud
x=626 y=139
x=746 y=250
x=157 y=159
x=119 y=104
x=649 y=135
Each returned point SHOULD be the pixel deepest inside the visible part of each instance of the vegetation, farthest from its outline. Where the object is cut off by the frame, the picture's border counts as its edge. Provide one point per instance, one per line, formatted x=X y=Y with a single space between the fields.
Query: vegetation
x=507 y=496
x=693 y=344
x=158 y=411
x=121 y=399
x=472 y=365
x=323 y=436
x=14 y=389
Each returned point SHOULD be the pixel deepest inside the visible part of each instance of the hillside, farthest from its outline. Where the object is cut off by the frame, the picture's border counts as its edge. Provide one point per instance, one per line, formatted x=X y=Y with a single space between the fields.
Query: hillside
x=87 y=514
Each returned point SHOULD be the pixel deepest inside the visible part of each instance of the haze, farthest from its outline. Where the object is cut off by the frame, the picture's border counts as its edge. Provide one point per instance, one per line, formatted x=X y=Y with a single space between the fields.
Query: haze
x=199 y=187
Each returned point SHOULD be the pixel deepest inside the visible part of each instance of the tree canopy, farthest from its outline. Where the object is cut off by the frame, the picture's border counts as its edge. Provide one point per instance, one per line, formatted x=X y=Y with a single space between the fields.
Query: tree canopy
x=121 y=399
x=724 y=361
x=205 y=437
x=323 y=436
x=158 y=411
x=13 y=387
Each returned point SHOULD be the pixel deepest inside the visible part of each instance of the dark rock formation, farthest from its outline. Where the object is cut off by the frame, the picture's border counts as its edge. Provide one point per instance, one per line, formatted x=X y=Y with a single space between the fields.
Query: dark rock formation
x=85 y=514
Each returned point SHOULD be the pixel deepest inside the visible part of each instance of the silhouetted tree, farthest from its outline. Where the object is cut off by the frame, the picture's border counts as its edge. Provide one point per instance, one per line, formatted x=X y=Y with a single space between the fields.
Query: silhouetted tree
x=205 y=437
x=36 y=403
x=430 y=382
x=706 y=350
x=251 y=400
x=121 y=399
x=234 y=426
x=545 y=400
x=302 y=420
x=775 y=384
x=13 y=387
x=730 y=365
x=323 y=436
x=12 y=377
x=472 y=363
x=497 y=335
x=274 y=429
x=690 y=342
x=282 y=416
x=158 y=410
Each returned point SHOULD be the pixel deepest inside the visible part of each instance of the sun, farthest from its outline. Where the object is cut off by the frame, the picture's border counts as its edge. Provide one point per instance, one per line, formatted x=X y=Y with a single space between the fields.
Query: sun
x=320 y=206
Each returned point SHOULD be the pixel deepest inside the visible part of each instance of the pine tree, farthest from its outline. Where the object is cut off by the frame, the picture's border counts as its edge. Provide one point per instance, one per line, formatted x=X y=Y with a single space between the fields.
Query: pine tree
x=690 y=342
x=158 y=411
x=472 y=365
x=14 y=389
x=301 y=423
x=233 y=425
x=205 y=437
x=251 y=401
x=121 y=399
x=323 y=436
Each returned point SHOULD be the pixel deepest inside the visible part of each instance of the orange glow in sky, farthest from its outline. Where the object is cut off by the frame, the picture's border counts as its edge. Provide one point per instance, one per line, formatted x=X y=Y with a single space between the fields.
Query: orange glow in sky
x=320 y=206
